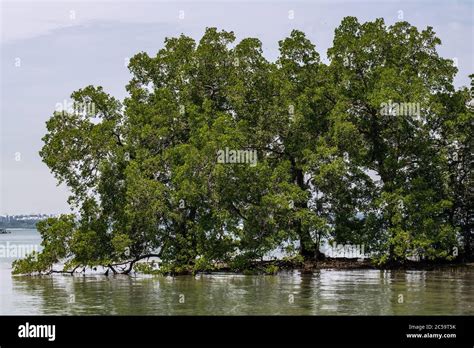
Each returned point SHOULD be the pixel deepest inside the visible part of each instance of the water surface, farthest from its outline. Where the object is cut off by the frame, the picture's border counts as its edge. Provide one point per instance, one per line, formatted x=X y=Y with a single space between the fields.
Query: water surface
x=325 y=292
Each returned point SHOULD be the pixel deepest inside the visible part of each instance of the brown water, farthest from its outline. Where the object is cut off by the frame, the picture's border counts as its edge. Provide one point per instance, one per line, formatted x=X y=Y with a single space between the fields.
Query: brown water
x=325 y=292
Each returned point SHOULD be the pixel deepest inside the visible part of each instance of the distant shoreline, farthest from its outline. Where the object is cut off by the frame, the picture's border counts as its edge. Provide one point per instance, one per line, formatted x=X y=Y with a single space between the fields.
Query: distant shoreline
x=19 y=227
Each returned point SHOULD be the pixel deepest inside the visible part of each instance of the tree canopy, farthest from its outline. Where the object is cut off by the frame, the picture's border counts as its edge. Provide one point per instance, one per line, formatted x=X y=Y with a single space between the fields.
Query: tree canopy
x=373 y=148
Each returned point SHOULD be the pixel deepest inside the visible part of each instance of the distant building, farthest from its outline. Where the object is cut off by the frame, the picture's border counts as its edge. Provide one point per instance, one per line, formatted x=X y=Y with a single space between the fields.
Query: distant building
x=22 y=221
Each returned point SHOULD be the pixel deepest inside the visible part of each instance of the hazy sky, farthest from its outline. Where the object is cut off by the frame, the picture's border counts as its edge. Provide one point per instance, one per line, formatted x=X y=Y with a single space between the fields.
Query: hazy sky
x=49 y=49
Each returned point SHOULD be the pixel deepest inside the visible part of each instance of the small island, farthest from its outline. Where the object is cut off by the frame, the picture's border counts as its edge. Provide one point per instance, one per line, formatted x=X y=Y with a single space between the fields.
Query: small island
x=219 y=157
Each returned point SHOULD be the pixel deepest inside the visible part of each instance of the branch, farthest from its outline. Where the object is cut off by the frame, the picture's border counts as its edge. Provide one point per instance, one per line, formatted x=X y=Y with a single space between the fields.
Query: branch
x=138 y=259
x=237 y=211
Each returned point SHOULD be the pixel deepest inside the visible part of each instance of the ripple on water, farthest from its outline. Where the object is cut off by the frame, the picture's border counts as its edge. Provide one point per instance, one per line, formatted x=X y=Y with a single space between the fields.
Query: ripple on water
x=325 y=292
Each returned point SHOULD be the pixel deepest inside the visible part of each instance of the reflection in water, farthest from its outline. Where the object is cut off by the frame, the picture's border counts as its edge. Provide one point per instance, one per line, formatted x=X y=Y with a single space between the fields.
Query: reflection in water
x=327 y=292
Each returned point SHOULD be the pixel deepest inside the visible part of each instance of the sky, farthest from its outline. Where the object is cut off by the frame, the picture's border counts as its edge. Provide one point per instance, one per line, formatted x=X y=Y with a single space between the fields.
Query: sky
x=49 y=49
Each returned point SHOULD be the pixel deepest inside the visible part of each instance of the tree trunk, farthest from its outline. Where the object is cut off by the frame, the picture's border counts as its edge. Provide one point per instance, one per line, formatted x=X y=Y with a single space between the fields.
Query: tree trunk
x=307 y=244
x=466 y=231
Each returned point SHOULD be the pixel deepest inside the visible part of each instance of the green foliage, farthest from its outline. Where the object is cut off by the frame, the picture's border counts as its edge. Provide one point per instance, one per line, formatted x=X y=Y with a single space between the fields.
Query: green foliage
x=203 y=265
x=147 y=268
x=241 y=263
x=296 y=260
x=331 y=162
x=28 y=265
x=271 y=269
x=56 y=234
